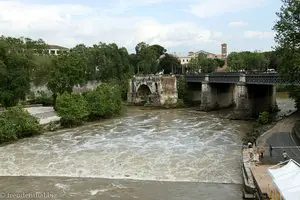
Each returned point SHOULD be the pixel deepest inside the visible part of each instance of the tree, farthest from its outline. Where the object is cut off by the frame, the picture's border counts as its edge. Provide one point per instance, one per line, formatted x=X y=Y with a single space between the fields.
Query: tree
x=67 y=71
x=42 y=65
x=203 y=64
x=147 y=61
x=169 y=64
x=274 y=59
x=158 y=49
x=220 y=62
x=15 y=72
x=288 y=43
x=140 y=47
x=249 y=61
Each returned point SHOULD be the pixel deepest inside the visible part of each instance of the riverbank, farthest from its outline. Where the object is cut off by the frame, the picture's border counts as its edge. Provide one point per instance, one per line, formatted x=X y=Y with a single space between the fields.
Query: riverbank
x=281 y=136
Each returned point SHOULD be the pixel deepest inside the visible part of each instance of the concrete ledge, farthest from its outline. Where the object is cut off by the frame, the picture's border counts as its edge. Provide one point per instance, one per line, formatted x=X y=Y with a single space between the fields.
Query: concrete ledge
x=248 y=179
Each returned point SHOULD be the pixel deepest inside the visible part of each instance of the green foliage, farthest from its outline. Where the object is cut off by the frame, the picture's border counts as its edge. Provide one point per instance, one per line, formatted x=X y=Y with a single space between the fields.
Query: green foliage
x=169 y=64
x=220 y=62
x=15 y=71
x=249 y=61
x=147 y=58
x=274 y=59
x=108 y=62
x=182 y=89
x=122 y=85
x=288 y=43
x=8 y=132
x=41 y=69
x=72 y=108
x=203 y=64
x=67 y=71
x=264 y=118
x=105 y=101
x=17 y=67
x=16 y=123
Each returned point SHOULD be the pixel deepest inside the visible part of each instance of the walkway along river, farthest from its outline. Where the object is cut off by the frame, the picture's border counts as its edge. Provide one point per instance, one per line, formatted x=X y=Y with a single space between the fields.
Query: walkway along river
x=160 y=154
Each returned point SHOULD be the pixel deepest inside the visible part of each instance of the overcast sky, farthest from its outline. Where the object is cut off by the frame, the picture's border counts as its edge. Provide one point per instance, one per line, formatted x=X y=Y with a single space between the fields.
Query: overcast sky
x=178 y=25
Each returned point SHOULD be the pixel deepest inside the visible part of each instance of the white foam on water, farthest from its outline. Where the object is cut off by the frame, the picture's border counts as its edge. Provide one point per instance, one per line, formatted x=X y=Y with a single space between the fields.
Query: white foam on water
x=164 y=146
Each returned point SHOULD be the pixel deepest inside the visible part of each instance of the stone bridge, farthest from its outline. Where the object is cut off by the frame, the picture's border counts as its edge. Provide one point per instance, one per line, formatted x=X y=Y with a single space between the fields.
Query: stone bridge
x=155 y=90
x=248 y=94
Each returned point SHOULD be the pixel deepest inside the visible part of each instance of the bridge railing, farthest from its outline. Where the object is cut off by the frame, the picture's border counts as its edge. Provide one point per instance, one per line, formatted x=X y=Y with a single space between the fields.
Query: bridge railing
x=234 y=77
x=195 y=78
x=231 y=77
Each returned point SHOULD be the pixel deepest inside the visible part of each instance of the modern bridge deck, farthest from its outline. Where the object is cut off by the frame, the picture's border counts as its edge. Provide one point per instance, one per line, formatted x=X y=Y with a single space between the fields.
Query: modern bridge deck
x=233 y=77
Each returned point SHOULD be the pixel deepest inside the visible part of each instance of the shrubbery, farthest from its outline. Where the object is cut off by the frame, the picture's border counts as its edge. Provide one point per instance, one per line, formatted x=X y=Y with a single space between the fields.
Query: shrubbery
x=16 y=123
x=72 y=108
x=182 y=89
x=264 y=118
x=105 y=101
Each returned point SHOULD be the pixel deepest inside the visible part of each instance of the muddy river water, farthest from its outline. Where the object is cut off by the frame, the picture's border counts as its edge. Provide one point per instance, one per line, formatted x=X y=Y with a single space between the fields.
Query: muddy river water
x=144 y=155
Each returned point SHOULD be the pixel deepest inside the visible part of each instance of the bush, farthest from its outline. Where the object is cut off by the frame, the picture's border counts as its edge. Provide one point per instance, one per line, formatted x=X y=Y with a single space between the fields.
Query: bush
x=16 y=123
x=264 y=118
x=72 y=108
x=182 y=89
x=122 y=85
x=105 y=101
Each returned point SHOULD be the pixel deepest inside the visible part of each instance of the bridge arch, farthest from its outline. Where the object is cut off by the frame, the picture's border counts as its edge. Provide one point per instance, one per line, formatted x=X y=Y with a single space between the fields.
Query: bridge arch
x=143 y=92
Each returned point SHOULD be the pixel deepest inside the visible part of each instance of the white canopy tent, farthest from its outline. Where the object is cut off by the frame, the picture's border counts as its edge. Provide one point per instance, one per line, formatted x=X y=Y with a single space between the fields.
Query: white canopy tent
x=287 y=180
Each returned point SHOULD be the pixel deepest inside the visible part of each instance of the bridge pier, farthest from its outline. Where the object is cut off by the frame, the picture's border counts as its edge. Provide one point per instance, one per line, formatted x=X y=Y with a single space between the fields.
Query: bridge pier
x=208 y=97
x=242 y=102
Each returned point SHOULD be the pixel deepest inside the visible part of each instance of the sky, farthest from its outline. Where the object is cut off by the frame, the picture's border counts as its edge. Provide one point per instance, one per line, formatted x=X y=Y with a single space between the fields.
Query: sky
x=178 y=25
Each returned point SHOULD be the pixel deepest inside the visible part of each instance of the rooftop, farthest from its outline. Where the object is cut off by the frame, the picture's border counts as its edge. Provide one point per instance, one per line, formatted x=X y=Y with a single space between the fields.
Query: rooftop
x=56 y=47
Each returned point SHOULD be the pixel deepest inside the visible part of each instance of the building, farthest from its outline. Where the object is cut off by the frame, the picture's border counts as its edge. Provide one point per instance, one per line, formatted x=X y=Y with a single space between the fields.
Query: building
x=224 y=50
x=184 y=60
x=55 y=49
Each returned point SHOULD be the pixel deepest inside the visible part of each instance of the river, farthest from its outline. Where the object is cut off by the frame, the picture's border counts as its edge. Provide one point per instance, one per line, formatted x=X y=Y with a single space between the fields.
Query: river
x=146 y=154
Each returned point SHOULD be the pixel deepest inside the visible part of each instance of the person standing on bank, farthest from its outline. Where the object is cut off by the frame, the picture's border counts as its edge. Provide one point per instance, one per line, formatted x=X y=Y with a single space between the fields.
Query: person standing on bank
x=285 y=155
x=270 y=150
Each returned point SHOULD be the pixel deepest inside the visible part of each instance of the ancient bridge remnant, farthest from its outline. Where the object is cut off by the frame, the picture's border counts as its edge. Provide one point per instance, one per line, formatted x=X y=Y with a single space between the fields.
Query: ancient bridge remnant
x=155 y=90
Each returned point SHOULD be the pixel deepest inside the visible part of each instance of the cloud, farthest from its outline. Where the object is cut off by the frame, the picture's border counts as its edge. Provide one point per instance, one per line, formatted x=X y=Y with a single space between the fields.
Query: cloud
x=238 y=24
x=121 y=6
x=211 y=8
x=259 y=34
x=70 y=24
